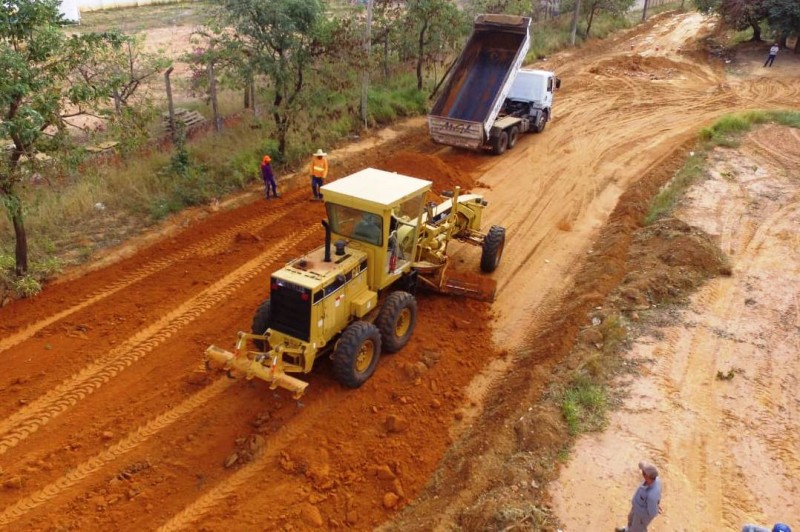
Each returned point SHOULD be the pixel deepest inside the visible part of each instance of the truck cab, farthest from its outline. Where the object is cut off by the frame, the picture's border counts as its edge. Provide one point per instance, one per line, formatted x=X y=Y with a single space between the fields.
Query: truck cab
x=535 y=89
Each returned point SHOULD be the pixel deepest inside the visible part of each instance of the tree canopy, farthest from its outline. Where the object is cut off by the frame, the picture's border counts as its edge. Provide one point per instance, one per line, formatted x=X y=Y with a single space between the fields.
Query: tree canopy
x=782 y=16
x=39 y=88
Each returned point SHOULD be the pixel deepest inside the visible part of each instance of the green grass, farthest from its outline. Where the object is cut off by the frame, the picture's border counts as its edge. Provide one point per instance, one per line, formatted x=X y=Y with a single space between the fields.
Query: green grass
x=585 y=405
x=726 y=132
x=663 y=203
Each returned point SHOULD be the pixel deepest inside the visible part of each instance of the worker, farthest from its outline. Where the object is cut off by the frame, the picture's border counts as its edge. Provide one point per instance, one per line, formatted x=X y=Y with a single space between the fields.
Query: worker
x=319 y=171
x=269 y=177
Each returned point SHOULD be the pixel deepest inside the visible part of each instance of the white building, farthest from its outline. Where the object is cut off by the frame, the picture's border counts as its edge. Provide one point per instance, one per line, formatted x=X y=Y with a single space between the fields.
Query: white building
x=71 y=9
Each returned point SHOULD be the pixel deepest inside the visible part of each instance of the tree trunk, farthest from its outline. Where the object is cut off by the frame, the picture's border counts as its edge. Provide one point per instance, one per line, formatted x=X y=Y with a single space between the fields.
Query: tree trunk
x=574 y=30
x=212 y=93
x=21 y=251
x=420 y=53
x=756 y=31
x=386 y=56
x=171 y=106
x=591 y=19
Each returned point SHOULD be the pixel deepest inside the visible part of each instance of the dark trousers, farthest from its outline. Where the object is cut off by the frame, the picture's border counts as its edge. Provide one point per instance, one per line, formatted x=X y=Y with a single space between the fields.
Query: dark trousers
x=316 y=182
x=770 y=60
x=269 y=183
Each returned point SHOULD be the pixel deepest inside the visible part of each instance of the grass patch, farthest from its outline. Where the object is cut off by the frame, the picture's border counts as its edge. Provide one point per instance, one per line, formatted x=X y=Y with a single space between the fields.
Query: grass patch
x=725 y=132
x=584 y=405
x=665 y=200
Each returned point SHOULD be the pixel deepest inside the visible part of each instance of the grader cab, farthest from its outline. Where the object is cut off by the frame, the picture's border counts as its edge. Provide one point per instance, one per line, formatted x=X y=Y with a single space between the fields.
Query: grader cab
x=353 y=298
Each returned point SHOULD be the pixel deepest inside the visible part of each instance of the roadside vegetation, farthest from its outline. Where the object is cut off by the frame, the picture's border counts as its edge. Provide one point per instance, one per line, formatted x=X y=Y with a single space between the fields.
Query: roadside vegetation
x=587 y=398
x=66 y=199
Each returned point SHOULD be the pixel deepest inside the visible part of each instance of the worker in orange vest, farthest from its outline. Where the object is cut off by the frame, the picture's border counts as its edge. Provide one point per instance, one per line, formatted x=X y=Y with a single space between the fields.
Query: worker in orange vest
x=319 y=171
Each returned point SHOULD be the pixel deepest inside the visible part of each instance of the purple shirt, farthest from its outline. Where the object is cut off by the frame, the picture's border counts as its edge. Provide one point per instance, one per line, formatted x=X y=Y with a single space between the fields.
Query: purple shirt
x=266 y=172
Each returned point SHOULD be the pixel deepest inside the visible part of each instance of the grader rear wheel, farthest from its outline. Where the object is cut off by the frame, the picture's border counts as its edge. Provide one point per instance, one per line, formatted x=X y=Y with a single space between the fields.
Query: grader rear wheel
x=396 y=321
x=261 y=323
x=356 y=354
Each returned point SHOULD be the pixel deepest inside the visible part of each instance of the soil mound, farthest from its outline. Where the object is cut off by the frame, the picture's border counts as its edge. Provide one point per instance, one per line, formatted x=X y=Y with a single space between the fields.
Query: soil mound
x=638 y=66
x=424 y=166
x=668 y=260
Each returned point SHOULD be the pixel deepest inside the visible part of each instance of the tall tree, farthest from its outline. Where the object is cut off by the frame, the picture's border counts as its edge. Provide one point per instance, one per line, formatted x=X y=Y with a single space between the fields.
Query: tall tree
x=435 y=23
x=784 y=20
x=615 y=7
x=739 y=14
x=38 y=90
x=277 y=39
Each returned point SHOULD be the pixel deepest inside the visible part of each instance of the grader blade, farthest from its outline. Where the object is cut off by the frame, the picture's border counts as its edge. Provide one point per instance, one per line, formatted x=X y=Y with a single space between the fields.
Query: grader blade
x=475 y=287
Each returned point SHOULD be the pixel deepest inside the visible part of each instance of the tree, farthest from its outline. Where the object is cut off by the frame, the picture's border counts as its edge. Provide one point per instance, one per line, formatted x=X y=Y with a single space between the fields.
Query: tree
x=434 y=22
x=37 y=94
x=277 y=39
x=784 y=20
x=122 y=69
x=615 y=7
x=739 y=14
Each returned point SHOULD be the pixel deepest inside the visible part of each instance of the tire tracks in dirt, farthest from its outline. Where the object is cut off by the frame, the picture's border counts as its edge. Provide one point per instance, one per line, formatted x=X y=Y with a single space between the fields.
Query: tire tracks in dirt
x=41 y=411
x=205 y=248
x=104 y=458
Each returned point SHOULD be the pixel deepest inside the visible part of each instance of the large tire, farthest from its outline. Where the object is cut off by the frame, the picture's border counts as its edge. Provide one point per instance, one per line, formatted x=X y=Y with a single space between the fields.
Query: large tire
x=396 y=321
x=500 y=143
x=513 y=137
x=356 y=354
x=541 y=122
x=261 y=323
x=493 y=246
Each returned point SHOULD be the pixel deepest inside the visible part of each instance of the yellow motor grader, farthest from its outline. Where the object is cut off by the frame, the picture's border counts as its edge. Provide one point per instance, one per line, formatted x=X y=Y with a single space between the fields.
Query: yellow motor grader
x=353 y=298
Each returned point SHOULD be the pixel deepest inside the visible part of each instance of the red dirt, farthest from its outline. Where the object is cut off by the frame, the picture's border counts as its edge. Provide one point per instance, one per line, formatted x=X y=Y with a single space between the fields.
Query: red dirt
x=105 y=422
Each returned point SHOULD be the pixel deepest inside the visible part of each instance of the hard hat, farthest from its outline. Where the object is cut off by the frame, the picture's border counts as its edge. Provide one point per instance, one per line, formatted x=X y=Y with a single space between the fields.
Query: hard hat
x=320 y=153
x=780 y=527
x=266 y=159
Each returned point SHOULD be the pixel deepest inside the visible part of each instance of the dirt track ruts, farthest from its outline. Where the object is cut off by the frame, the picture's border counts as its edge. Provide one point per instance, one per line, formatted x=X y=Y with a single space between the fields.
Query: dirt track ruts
x=100 y=415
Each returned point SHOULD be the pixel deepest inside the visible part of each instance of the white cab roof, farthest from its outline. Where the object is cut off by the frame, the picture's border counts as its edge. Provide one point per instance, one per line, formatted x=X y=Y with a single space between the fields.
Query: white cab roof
x=377 y=186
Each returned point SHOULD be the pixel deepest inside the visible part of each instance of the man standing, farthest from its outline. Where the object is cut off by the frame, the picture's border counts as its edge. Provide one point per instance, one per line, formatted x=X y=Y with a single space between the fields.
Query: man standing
x=646 y=502
x=269 y=177
x=773 y=51
x=319 y=171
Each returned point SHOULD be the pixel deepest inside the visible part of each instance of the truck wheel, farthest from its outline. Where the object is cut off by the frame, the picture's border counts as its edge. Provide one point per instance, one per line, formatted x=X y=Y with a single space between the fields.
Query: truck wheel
x=356 y=354
x=541 y=122
x=493 y=246
x=396 y=321
x=261 y=323
x=500 y=143
x=513 y=137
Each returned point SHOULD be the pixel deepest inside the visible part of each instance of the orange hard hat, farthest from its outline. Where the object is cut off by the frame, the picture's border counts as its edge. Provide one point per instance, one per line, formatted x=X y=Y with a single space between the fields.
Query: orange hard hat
x=266 y=159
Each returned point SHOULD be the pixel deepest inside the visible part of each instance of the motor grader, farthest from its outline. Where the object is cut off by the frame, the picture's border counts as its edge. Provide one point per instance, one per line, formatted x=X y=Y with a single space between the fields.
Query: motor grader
x=355 y=301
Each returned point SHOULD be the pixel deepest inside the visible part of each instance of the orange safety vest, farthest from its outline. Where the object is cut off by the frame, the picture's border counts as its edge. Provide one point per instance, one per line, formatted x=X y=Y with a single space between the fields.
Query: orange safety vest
x=319 y=167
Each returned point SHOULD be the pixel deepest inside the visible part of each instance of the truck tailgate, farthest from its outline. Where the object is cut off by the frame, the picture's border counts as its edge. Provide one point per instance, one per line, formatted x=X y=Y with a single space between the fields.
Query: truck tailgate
x=455 y=132
x=480 y=79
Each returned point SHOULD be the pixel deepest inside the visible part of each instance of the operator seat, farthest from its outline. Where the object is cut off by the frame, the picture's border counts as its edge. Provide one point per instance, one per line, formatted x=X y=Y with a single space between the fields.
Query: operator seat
x=368 y=229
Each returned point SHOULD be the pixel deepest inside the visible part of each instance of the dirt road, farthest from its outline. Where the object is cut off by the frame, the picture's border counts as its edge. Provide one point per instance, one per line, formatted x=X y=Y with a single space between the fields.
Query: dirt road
x=104 y=422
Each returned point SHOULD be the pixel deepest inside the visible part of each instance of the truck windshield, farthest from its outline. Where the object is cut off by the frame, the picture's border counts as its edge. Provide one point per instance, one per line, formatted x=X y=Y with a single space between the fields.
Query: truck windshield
x=356 y=224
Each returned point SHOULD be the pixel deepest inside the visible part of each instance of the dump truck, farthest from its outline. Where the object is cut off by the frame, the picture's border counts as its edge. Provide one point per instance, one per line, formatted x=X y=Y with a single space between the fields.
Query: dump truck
x=487 y=100
x=353 y=298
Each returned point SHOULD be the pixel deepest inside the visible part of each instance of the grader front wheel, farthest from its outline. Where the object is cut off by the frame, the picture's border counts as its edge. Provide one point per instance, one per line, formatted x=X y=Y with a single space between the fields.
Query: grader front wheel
x=356 y=354
x=396 y=321
x=493 y=246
